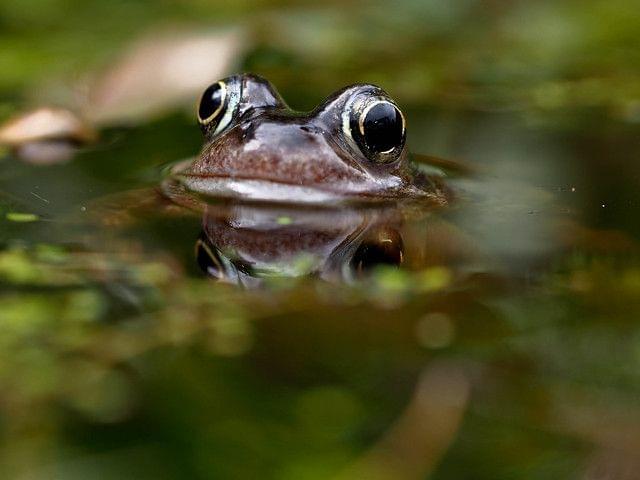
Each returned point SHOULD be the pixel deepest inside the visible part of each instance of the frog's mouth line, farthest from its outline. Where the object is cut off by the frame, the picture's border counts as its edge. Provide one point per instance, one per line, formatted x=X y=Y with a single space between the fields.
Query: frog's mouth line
x=261 y=190
x=252 y=189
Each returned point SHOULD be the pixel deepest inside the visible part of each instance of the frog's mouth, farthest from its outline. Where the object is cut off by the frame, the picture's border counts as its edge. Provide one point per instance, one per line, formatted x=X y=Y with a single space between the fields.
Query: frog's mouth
x=248 y=188
x=260 y=190
x=265 y=190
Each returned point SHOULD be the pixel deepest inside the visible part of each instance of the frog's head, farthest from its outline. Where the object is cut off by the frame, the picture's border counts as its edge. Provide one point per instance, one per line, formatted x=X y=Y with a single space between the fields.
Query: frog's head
x=257 y=148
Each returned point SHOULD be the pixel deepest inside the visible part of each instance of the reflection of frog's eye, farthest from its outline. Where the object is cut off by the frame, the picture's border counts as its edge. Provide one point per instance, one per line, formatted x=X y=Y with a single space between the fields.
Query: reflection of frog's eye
x=378 y=128
x=383 y=249
x=208 y=258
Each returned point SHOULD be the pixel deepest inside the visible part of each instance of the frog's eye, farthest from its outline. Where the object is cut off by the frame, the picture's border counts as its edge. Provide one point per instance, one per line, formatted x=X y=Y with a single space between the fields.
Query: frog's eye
x=377 y=126
x=212 y=102
x=381 y=126
x=217 y=105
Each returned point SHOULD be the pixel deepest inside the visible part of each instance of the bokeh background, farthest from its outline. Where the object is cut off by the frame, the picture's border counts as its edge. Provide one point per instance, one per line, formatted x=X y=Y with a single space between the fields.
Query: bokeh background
x=118 y=359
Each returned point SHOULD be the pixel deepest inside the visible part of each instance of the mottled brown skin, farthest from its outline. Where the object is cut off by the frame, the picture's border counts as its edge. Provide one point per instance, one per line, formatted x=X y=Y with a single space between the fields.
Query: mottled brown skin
x=269 y=145
x=279 y=149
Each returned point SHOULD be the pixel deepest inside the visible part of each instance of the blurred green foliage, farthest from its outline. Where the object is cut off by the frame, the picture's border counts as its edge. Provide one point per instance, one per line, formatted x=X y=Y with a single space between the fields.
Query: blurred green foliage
x=544 y=54
x=206 y=381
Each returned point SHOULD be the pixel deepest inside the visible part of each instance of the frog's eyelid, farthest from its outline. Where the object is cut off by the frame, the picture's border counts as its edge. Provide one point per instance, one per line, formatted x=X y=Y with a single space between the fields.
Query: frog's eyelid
x=346 y=119
x=354 y=104
x=233 y=95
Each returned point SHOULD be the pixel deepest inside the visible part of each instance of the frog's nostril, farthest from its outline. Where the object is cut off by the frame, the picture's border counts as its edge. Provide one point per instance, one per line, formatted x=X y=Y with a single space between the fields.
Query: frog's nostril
x=248 y=131
x=310 y=137
x=310 y=129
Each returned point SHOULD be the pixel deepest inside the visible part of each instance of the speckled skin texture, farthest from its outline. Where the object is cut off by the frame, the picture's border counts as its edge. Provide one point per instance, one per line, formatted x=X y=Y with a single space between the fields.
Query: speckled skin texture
x=278 y=149
x=268 y=142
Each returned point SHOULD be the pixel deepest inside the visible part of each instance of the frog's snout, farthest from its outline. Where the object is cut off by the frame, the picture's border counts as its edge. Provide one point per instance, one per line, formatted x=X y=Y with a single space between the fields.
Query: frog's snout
x=293 y=153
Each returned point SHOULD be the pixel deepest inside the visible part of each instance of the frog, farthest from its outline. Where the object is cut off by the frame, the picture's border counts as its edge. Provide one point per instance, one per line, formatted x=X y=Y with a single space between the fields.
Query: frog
x=351 y=147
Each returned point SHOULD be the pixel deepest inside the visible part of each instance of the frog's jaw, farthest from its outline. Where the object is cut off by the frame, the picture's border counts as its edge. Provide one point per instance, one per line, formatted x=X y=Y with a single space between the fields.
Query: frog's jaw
x=255 y=190
x=270 y=191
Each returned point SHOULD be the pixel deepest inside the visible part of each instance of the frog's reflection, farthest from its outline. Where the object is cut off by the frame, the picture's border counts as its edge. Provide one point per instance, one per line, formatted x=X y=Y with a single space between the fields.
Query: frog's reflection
x=245 y=244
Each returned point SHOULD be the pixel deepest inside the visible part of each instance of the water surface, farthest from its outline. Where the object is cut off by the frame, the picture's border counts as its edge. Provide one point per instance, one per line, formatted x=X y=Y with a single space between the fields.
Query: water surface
x=497 y=335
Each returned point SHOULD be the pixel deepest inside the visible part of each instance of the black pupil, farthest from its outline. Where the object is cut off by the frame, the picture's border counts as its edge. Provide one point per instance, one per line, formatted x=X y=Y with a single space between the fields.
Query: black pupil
x=385 y=250
x=211 y=101
x=383 y=129
x=207 y=258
